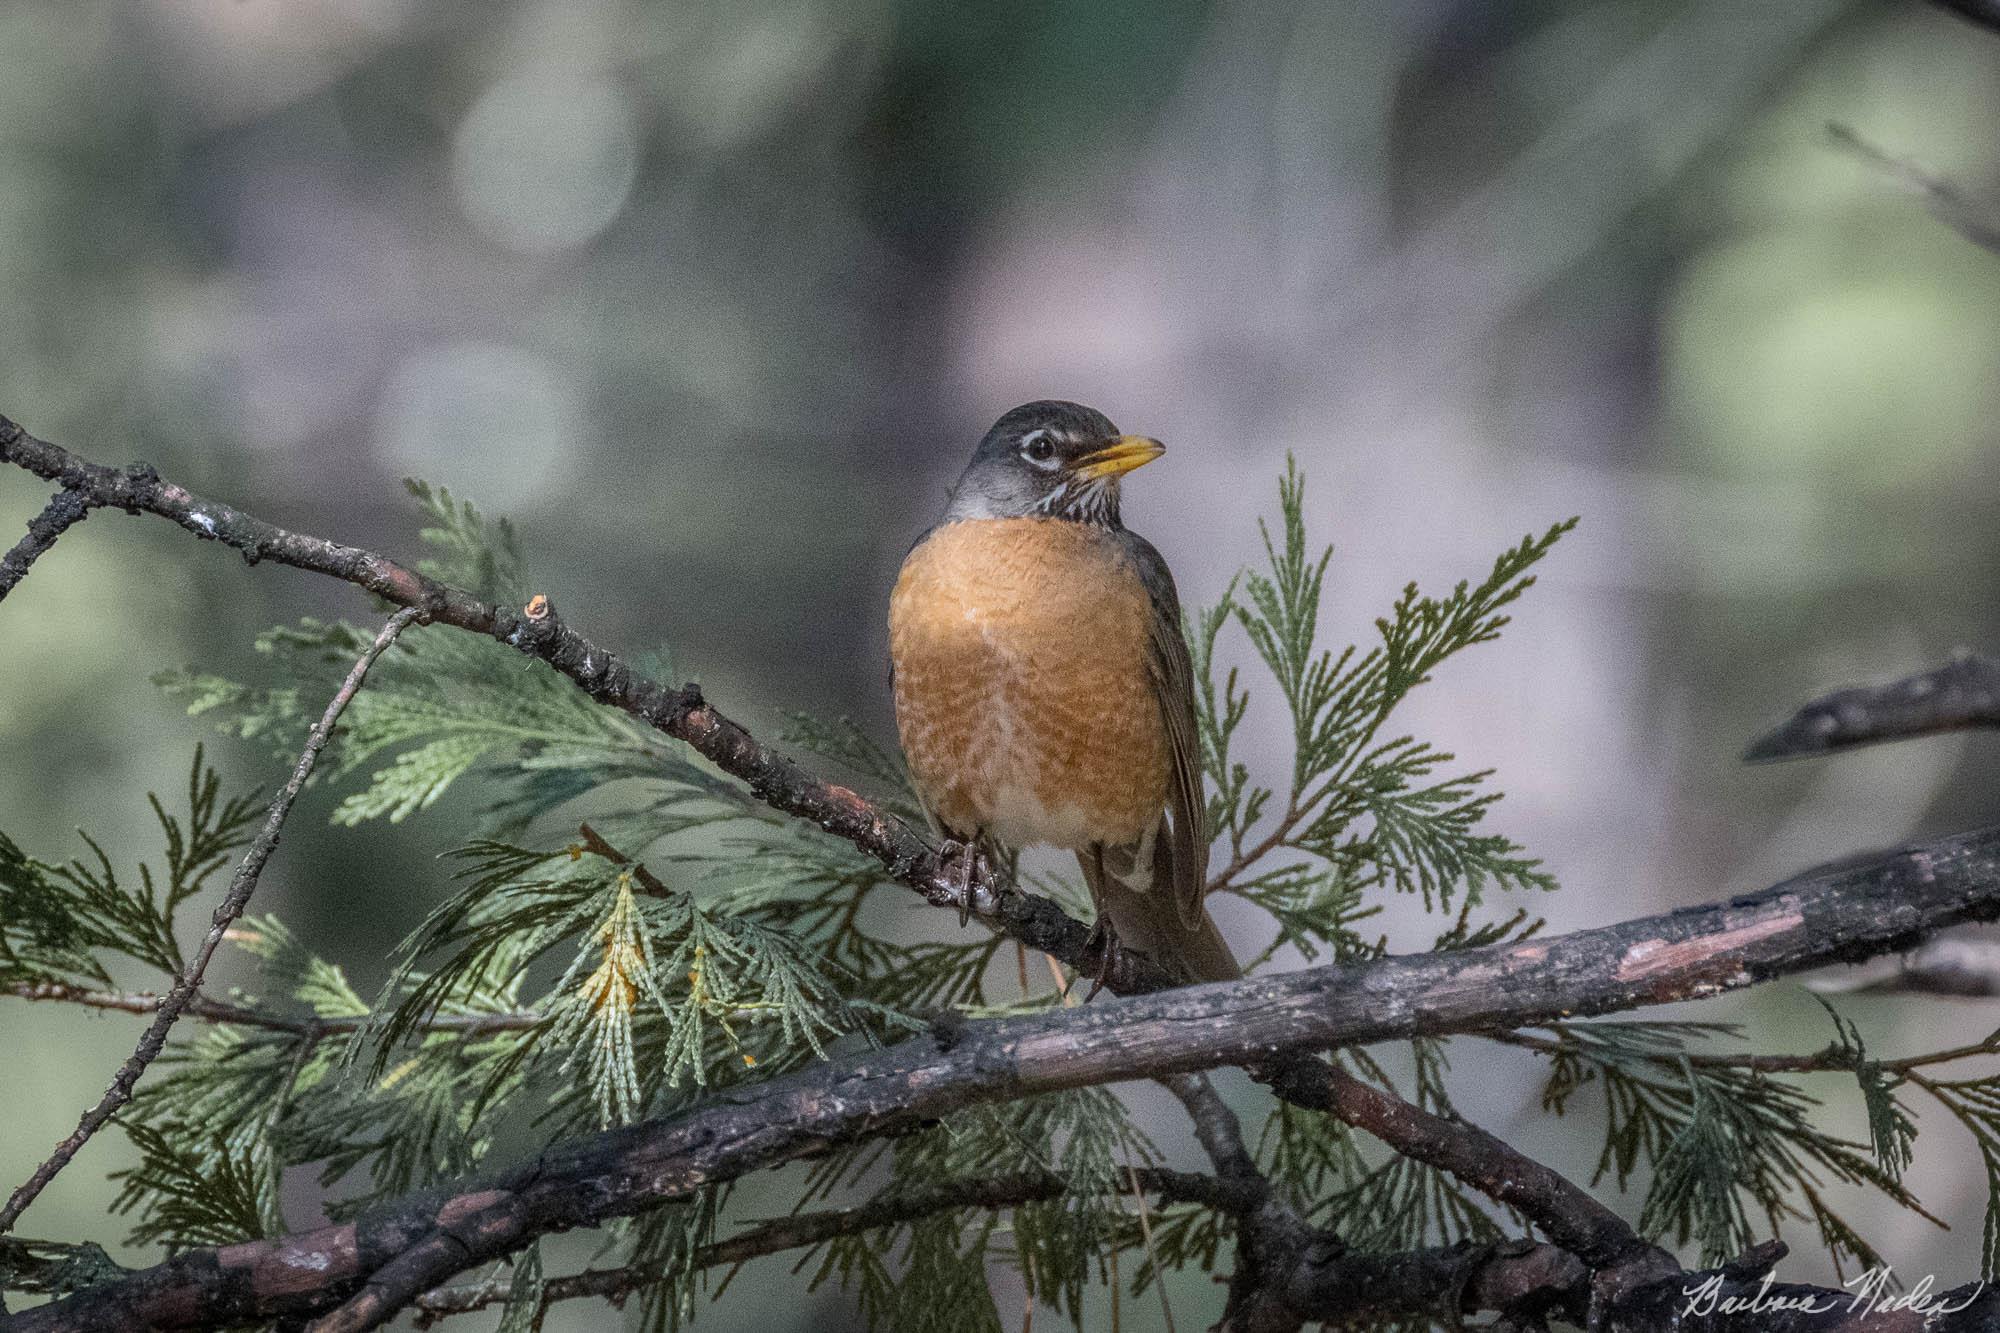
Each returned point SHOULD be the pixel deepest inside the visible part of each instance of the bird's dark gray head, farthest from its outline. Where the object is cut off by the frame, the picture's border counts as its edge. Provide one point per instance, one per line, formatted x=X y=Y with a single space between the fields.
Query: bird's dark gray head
x=1050 y=459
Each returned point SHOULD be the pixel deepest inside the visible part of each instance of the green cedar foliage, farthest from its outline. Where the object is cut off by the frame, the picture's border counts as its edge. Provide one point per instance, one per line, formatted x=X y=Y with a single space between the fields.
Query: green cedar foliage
x=70 y=923
x=1732 y=1152
x=688 y=938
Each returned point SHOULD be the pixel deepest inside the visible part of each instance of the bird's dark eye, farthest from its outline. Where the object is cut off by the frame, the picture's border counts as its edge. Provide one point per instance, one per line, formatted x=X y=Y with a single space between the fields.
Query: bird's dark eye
x=1040 y=449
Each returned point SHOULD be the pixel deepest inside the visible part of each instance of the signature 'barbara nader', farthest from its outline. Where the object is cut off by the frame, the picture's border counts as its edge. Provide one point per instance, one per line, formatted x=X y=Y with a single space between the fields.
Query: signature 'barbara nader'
x=1871 y=1296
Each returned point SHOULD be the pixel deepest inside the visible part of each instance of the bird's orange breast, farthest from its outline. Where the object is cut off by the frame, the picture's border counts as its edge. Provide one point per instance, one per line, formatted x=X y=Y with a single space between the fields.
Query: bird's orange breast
x=1024 y=693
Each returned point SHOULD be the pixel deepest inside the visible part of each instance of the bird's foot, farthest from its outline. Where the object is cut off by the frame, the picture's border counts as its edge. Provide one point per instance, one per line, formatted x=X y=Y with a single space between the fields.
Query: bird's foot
x=969 y=857
x=1103 y=943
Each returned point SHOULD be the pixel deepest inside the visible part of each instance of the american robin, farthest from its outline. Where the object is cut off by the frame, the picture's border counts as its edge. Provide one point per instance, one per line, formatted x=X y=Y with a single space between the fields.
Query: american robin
x=1043 y=689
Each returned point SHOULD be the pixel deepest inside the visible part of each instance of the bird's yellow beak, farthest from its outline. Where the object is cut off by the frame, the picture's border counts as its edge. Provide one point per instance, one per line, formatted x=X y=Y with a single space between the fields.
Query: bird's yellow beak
x=1119 y=457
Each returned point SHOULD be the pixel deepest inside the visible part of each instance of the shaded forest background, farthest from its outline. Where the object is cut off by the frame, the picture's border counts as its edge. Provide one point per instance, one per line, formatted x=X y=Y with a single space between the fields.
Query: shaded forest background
x=714 y=300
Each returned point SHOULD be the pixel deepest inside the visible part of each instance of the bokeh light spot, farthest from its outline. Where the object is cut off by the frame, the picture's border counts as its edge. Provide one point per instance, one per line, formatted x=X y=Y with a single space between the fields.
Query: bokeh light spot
x=543 y=164
x=488 y=420
x=1825 y=360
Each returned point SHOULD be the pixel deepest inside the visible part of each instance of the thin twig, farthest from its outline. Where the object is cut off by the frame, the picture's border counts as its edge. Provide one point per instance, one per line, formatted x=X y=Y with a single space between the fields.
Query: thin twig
x=1832 y=1060
x=241 y=885
x=682 y=713
x=64 y=510
x=646 y=879
x=221 y=1012
x=1152 y=1254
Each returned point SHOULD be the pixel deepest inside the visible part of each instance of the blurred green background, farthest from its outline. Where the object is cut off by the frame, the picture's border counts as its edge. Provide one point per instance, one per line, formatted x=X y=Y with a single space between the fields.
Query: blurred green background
x=715 y=298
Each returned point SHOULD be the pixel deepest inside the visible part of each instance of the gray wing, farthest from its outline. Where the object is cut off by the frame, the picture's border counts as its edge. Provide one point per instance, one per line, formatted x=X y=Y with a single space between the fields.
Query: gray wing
x=1173 y=684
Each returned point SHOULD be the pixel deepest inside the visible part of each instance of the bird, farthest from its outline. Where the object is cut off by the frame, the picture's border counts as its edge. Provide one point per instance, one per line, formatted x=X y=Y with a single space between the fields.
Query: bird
x=1043 y=689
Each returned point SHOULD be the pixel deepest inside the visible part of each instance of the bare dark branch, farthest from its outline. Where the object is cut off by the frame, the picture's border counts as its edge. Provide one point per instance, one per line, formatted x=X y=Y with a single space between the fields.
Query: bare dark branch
x=1964 y=692
x=539 y=631
x=1216 y=1126
x=241 y=885
x=1572 y=1218
x=389 y=1257
x=1804 y=923
x=808 y=1229
x=64 y=510
x=1946 y=201
x=1311 y=1276
x=1272 y=1240
x=1985 y=13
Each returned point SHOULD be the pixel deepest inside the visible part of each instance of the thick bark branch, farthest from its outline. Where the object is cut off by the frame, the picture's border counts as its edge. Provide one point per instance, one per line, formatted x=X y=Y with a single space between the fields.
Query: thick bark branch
x=1312 y=1278
x=1318 y=1280
x=1526 y=1281
x=539 y=632
x=1838 y=915
x=241 y=885
x=1964 y=692
x=1265 y=1023
x=804 y=1230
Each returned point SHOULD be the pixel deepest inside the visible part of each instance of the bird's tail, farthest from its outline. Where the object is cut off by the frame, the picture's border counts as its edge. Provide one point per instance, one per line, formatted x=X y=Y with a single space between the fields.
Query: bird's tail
x=1146 y=919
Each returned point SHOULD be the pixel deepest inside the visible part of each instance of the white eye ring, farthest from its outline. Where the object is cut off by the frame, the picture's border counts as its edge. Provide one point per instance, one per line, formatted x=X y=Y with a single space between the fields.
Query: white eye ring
x=1039 y=449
